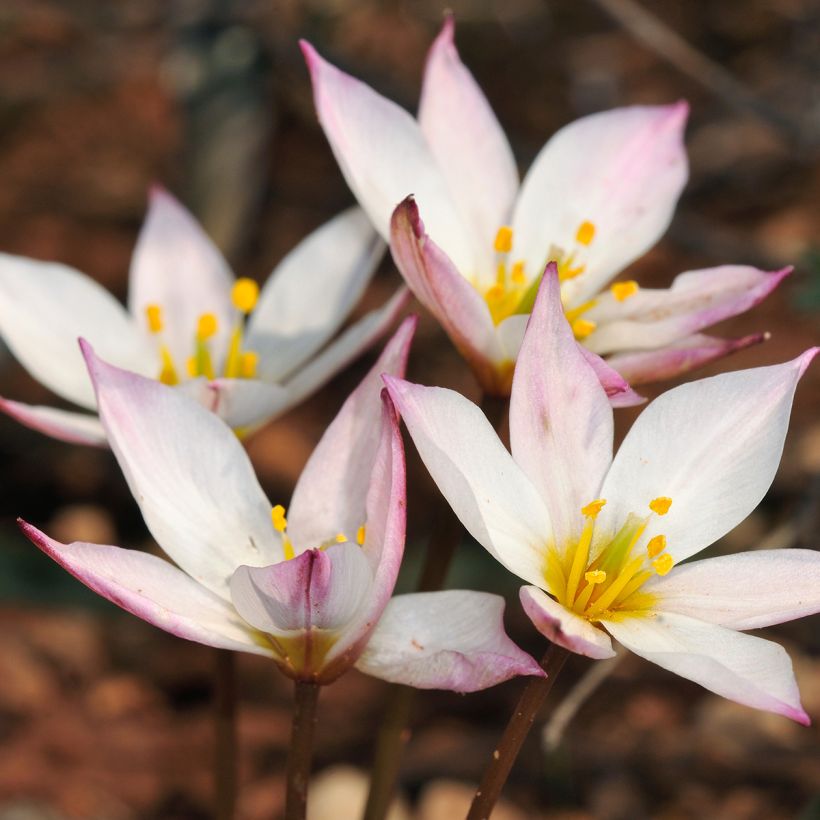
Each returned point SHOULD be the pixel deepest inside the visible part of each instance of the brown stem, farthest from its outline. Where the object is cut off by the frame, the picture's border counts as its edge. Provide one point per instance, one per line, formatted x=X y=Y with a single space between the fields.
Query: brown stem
x=394 y=734
x=300 y=755
x=225 y=747
x=505 y=754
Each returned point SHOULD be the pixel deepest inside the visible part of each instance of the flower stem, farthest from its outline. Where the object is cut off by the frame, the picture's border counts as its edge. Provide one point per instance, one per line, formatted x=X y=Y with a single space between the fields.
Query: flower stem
x=505 y=754
x=394 y=734
x=300 y=755
x=225 y=748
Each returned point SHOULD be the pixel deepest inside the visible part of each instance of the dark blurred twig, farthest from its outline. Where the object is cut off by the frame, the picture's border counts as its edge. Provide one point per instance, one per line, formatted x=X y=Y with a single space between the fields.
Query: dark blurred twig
x=670 y=46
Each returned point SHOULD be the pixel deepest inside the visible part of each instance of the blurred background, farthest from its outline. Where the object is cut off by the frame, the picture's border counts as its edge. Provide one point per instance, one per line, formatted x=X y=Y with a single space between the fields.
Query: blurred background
x=105 y=717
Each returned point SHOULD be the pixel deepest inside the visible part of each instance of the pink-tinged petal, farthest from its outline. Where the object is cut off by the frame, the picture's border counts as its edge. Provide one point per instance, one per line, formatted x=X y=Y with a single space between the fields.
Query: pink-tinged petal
x=75 y=428
x=712 y=446
x=467 y=141
x=739 y=667
x=331 y=494
x=154 y=590
x=487 y=490
x=445 y=640
x=651 y=319
x=617 y=388
x=560 y=420
x=45 y=307
x=189 y=474
x=243 y=404
x=621 y=170
x=347 y=347
x=311 y=292
x=438 y=285
x=670 y=362
x=746 y=591
x=177 y=267
x=563 y=627
x=384 y=156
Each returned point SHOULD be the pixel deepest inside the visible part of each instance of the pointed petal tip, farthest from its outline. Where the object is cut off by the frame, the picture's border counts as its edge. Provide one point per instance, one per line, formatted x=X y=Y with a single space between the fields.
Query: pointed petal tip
x=407 y=210
x=805 y=359
x=310 y=54
x=800 y=716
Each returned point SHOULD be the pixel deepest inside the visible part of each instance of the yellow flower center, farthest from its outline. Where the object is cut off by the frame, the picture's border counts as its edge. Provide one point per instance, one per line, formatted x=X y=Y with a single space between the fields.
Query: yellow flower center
x=239 y=363
x=280 y=524
x=609 y=583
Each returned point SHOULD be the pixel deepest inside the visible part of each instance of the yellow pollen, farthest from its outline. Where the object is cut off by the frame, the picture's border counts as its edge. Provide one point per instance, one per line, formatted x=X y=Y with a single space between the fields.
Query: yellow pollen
x=517 y=273
x=656 y=546
x=206 y=326
x=248 y=363
x=660 y=505
x=495 y=293
x=244 y=294
x=583 y=328
x=277 y=515
x=190 y=366
x=593 y=508
x=595 y=576
x=586 y=233
x=503 y=239
x=340 y=538
x=623 y=290
x=154 y=315
x=663 y=564
x=360 y=533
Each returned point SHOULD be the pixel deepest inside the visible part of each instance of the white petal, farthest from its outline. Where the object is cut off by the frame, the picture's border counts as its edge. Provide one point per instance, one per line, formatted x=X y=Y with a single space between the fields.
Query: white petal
x=445 y=640
x=563 y=627
x=75 y=428
x=311 y=292
x=486 y=489
x=746 y=591
x=560 y=420
x=467 y=141
x=621 y=170
x=177 y=267
x=154 y=590
x=712 y=446
x=384 y=157
x=45 y=307
x=189 y=474
x=739 y=667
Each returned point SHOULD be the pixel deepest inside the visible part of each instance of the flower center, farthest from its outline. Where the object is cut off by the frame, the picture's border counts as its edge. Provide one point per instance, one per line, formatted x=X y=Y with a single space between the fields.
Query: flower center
x=239 y=363
x=611 y=582
x=280 y=524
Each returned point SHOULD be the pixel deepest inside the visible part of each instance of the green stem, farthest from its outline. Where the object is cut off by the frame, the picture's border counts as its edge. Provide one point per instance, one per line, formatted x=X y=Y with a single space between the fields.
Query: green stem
x=225 y=752
x=505 y=754
x=300 y=754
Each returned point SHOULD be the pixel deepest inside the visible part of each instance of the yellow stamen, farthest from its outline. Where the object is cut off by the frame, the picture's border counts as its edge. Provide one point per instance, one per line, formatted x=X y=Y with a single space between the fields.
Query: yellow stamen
x=585 y=233
x=495 y=293
x=623 y=290
x=244 y=295
x=579 y=561
x=248 y=364
x=340 y=538
x=503 y=239
x=206 y=327
x=579 y=311
x=617 y=586
x=517 y=274
x=277 y=514
x=360 y=534
x=501 y=276
x=583 y=328
x=656 y=546
x=595 y=576
x=287 y=548
x=633 y=586
x=663 y=564
x=154 y=315
x=168 y=373
x=593 y=508
x=660 y=505
x=190 y=366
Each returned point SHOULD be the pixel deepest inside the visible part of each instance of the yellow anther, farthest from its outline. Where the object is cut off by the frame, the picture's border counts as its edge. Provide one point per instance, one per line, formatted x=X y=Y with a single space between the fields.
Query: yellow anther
x=503 y=239
x=583 y=328
x=340 y=538
x=154 y=315
x=517 y=274
x=495 y=293
x=623 y=290
x=593 y=508
x=585 y=233
x=656 y=546
x=190 y=366
x=248 y=364
x=660 y=505
x=663 y=564
x=277 y=515
x=206 y=326
x=244 y=294
x=595 y=576
x=360 y=533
